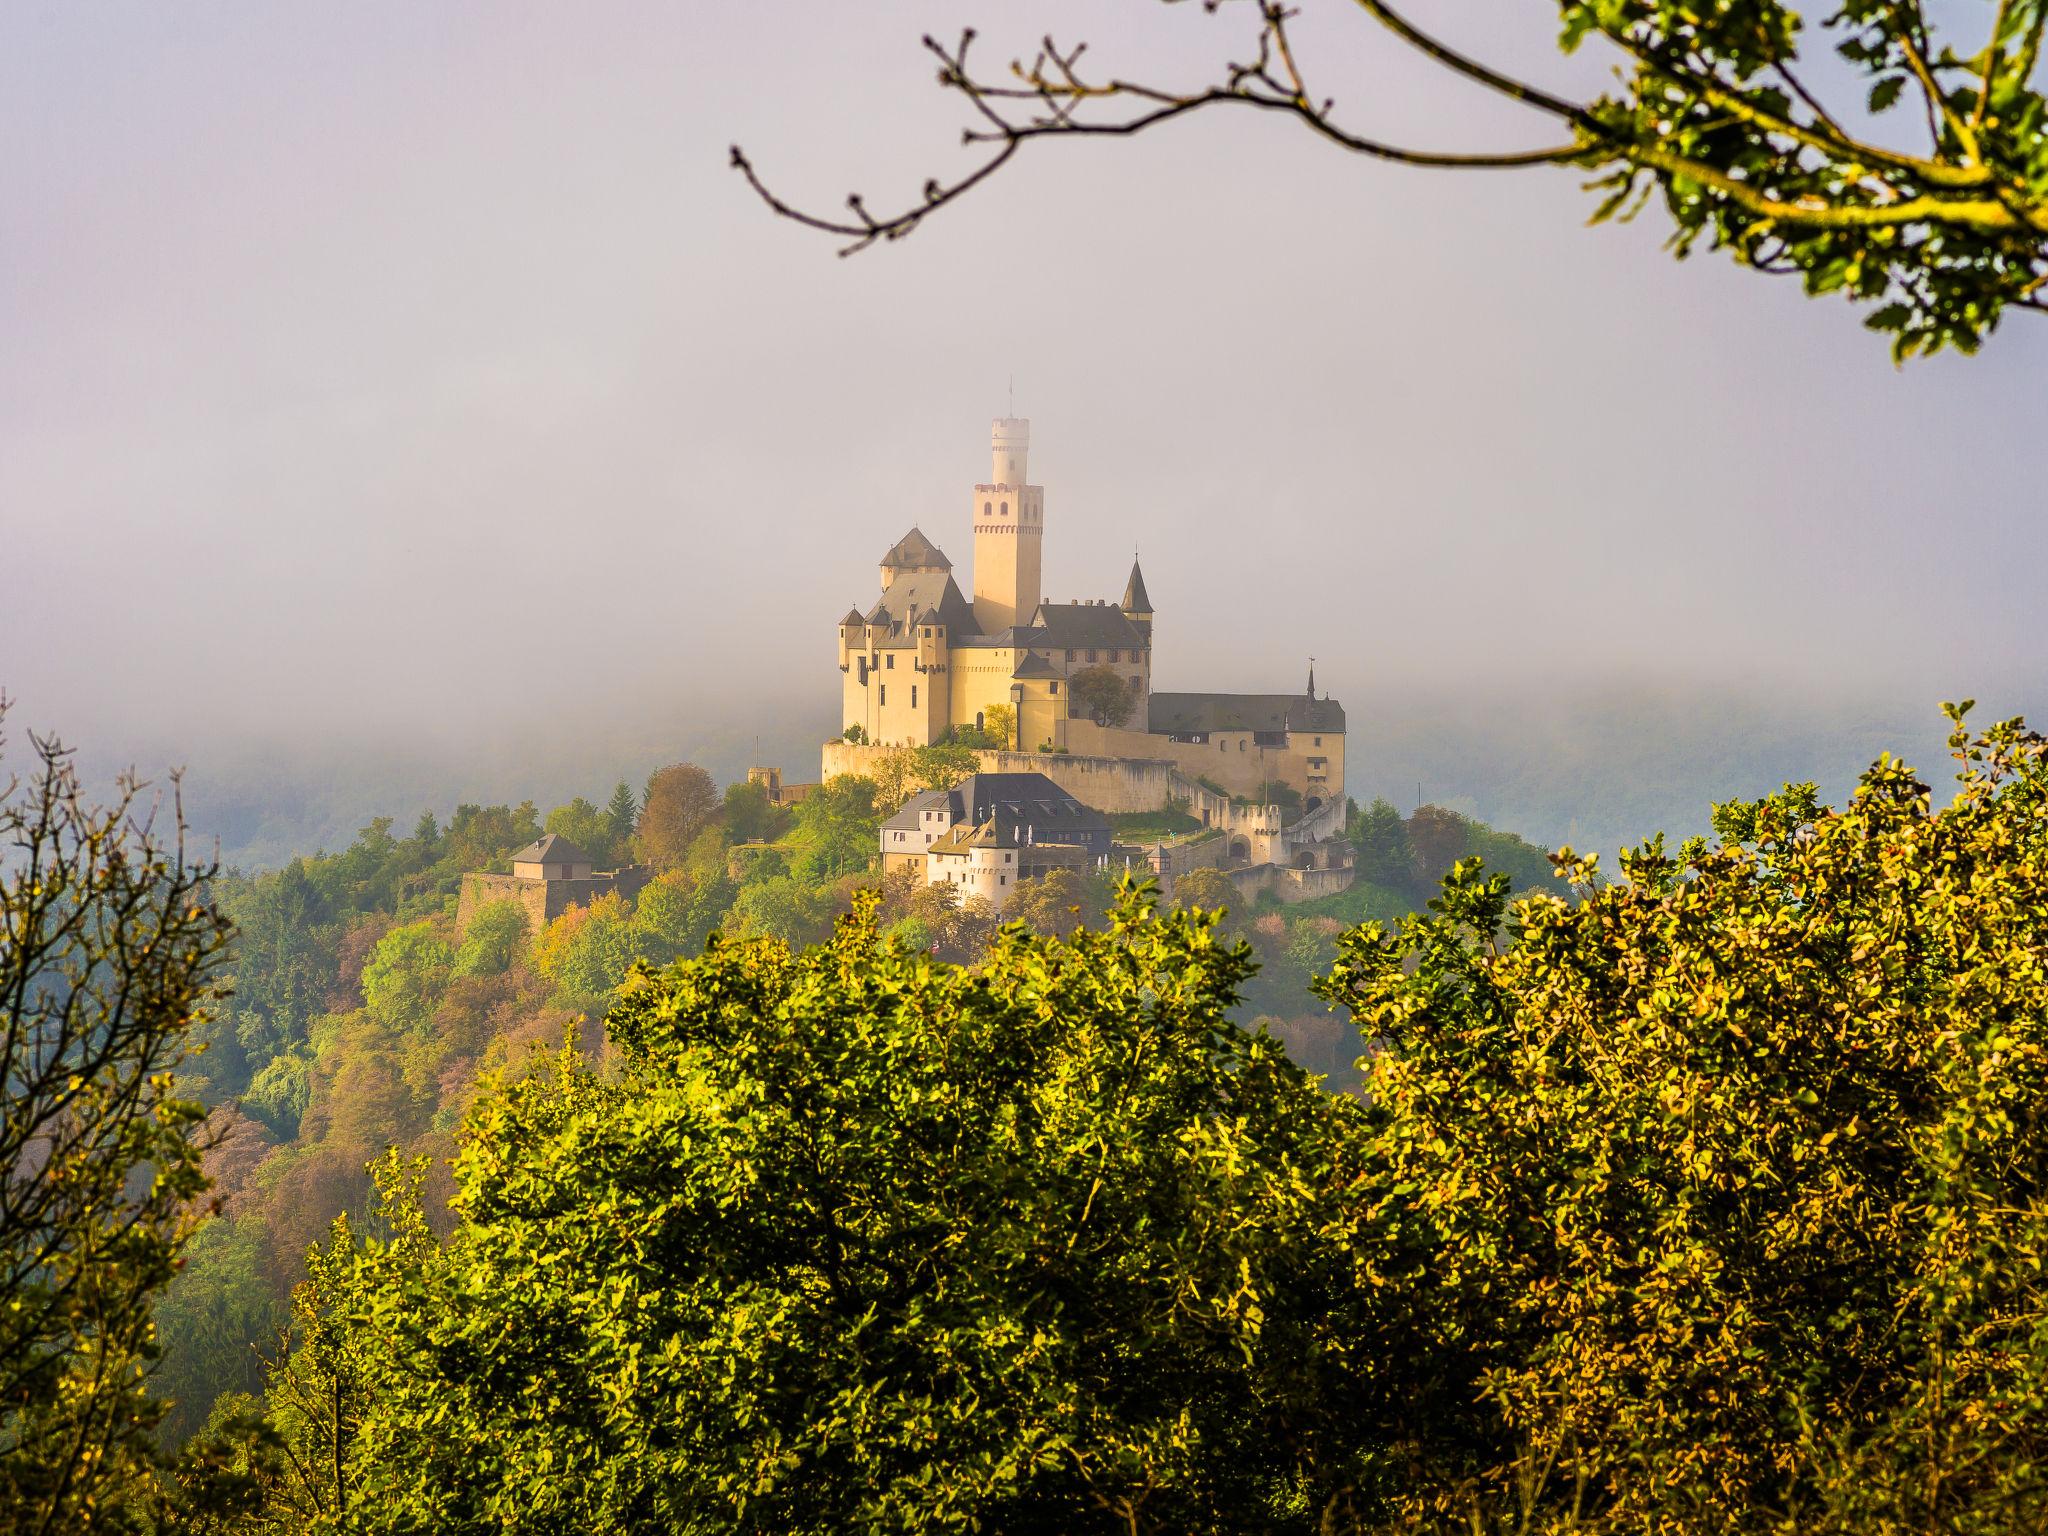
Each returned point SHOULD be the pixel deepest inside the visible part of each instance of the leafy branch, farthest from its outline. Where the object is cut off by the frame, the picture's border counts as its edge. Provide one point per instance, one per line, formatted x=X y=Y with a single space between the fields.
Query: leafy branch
x=1710 y=113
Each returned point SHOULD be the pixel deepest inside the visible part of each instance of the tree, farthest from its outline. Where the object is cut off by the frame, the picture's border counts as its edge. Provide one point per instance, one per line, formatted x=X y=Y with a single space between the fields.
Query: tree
x=1380 y=840
x=496 y=931
x=1727 y=1180
x=857 y=1241
x=999 y=724
x=479 y=836
x=406 y=975
x=589 y=949
x=586 y=826
x=622 y=817
x=680 y=802
x=1437 y=840
x=837 y=829
x=750 y=817
x=1101 y=695
x=1057 y=902
x=1711 y=114
x=1210 y=890
x=108 y=956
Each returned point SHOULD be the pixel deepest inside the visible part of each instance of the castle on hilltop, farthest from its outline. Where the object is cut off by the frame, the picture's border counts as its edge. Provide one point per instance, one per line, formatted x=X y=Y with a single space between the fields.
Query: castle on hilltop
x=925 y=661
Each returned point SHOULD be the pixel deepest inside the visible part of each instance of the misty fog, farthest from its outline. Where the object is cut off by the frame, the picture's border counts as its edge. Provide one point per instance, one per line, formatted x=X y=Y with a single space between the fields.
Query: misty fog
x=405 y=405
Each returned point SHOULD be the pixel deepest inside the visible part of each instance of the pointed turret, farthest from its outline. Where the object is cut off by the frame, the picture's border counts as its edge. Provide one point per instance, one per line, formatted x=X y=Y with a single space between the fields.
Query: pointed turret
x=1137 y=602
x=1311 y=677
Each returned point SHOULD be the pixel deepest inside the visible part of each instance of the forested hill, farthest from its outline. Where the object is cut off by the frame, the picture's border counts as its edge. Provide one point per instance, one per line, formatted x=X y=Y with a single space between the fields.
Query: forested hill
x=360 y=1018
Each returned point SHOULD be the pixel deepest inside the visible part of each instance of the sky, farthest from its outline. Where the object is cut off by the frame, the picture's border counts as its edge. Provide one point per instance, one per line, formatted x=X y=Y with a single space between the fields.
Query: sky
x=409 y=397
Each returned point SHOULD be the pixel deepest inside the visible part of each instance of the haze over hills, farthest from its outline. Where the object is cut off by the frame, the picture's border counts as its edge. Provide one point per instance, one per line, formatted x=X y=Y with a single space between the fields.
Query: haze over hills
x=1595 y=767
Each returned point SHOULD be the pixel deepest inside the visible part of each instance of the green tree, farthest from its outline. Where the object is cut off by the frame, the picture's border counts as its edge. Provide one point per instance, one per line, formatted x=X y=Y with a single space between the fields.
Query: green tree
x=406 y=975
x=210 y=1322
x=857 y=1241
x=786 y=908
x=496 y=932
x=679 y=804
x=621 y=818
x=480 y=836
x=1711 y=114
x=1727 y=1180
x=999 y=724
x=586 y=826
x=749 y=815
x=1379 y=839
x=1101 y=695
x=109 y=948
x=837 y=829
x=280 y=1093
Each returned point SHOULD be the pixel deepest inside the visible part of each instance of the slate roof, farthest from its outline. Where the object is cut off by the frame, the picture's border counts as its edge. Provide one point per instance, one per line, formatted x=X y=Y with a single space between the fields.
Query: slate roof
x=853 y=617
x=914 y=551
x=1068 y=626
x=1018 y=636
x=1009 y=807
x=551 y=850
x=922 y=592
x=910 y=818
x=1186 y=714
x=1031 y=664
x=1135 y=598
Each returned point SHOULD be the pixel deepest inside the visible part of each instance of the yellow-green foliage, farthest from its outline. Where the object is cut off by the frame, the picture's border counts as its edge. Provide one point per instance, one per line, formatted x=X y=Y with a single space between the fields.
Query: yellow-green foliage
x=1728 y=1181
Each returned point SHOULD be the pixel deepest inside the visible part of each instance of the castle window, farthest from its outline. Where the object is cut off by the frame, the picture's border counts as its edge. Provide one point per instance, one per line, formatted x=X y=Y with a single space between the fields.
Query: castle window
x=890 y=663
x=913 y=695
x=885 y=693
x=1116 y=655
x=986 y=508
x=1319 y=741
x=1006 y=509
x=1055 y=687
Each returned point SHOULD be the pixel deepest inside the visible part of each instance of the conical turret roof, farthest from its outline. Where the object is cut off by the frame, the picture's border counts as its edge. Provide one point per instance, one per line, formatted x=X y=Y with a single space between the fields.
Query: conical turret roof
x=1136 y=600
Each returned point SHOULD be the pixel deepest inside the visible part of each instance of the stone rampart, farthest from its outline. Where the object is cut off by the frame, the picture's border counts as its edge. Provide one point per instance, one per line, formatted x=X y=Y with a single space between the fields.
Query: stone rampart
x=545 y=900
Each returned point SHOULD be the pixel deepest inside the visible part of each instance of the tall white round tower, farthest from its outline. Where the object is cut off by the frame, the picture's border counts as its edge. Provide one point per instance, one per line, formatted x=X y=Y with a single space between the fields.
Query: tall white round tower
x=1009 y=528
x=1011 y=442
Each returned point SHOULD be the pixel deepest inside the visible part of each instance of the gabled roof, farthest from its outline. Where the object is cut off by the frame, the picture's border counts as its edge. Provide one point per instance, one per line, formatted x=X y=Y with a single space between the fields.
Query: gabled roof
x=1031 y=664
x=915 y=552
x=1135 y=598
x=1006 y=810
x=1187 y=714
x=1066 y=626
x=911 y=817
x=551 y=850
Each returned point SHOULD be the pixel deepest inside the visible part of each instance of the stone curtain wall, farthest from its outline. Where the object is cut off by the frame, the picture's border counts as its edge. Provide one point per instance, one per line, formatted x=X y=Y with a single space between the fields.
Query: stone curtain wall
x=545 y=900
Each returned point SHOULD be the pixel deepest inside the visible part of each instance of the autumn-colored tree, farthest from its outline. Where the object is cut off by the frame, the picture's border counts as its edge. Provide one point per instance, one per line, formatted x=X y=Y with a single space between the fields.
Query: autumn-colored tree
x=1057 y=902
x=1210 y=890
x=679 y=803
